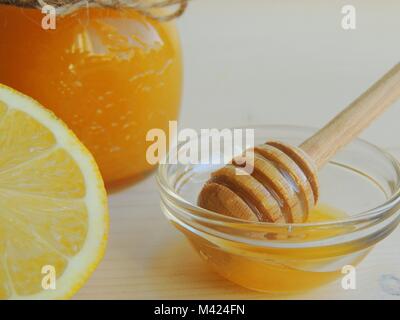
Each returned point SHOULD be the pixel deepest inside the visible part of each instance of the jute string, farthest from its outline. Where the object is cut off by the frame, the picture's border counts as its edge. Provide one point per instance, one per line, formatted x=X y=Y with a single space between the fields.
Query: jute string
x=173 y=8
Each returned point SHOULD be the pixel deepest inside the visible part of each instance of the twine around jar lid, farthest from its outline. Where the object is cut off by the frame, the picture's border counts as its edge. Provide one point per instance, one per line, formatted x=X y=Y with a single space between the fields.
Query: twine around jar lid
x=149 y=8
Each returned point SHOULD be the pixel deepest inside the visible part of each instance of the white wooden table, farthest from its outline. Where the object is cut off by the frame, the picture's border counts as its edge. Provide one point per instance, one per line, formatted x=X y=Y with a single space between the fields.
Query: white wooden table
x=249 y=62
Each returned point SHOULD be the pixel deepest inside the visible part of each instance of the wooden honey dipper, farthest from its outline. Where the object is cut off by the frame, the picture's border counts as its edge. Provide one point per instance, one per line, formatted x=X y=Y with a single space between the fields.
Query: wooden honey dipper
x=283 y=183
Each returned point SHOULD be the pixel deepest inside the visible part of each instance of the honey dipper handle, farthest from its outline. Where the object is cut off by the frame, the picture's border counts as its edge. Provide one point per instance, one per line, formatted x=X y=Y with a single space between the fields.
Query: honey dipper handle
x=351 y=121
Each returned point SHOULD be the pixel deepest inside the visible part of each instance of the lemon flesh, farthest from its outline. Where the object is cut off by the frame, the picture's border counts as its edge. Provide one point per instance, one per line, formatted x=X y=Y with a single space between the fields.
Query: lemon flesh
x=53 y=205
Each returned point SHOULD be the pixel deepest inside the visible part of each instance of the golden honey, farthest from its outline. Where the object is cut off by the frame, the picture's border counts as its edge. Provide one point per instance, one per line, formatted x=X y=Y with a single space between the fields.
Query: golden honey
x=110 y=74
x=277 y=270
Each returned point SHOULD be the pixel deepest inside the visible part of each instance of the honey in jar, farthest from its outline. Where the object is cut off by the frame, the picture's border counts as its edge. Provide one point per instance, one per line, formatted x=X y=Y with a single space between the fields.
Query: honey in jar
x=110 y=74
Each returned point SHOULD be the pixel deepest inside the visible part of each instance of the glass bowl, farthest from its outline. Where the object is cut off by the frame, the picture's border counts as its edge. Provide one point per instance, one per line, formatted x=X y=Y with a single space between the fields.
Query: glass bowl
x=361 y=180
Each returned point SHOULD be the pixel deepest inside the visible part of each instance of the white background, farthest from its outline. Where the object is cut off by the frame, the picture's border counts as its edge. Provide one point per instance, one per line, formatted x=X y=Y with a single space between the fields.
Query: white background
x=285 y=62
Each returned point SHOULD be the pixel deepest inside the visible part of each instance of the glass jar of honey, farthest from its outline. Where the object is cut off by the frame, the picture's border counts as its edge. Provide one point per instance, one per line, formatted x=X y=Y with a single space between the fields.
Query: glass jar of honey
x=110 y=74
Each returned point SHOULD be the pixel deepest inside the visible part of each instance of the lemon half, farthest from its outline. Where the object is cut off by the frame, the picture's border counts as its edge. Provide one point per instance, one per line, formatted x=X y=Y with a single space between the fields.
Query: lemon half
x=53 y=204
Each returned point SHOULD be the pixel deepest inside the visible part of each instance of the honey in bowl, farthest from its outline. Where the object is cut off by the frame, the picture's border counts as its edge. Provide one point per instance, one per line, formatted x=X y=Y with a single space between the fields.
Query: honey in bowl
x=110 y=74
x=278 y=271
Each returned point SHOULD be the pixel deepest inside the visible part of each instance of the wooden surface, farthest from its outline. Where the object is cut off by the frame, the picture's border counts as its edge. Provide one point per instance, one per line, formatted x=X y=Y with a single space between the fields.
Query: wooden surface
x=146 y=257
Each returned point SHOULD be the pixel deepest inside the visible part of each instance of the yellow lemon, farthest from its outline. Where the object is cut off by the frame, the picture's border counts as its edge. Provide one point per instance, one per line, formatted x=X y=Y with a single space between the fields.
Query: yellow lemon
x=53 y=205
